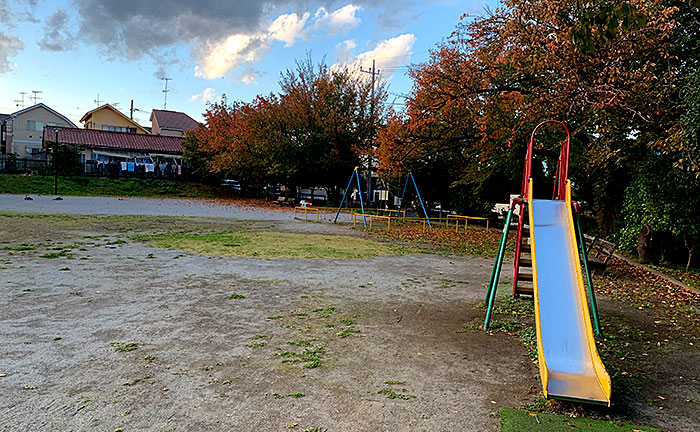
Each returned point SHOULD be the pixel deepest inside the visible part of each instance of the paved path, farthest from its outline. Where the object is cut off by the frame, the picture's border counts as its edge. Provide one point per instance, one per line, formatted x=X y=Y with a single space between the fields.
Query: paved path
x=138 y=206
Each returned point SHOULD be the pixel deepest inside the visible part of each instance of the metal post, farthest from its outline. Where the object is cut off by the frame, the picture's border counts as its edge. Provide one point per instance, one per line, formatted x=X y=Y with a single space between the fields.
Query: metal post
x=591 y=292
x=55 y=165
x=362 y=205
x=404 y=192
x=493 y=283
x=344 y=194
x=420 y=199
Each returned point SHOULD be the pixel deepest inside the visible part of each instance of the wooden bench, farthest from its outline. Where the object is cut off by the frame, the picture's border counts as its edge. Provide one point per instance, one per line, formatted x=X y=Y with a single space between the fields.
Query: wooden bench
x=599 y=253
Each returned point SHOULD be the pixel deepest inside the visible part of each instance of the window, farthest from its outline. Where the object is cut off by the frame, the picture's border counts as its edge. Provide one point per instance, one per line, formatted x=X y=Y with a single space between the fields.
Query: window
x=35 y=126
x=55 y=124
x=30 y=150
x=111 y=128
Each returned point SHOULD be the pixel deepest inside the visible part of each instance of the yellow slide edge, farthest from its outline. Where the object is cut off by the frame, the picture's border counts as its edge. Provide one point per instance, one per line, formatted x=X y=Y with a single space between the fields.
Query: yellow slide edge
x=544 y=370
x=601 y=374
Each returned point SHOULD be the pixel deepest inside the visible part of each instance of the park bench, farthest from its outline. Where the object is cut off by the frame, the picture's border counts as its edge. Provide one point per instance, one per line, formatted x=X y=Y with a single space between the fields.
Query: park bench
x=599 y=252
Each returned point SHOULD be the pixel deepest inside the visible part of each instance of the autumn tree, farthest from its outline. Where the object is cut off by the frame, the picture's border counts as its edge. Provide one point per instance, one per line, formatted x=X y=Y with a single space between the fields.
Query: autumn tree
x=313 y=133
x=486 y=87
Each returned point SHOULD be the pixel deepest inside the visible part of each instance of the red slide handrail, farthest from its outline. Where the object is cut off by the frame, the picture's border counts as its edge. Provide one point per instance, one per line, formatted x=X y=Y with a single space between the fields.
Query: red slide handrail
x=562 y=173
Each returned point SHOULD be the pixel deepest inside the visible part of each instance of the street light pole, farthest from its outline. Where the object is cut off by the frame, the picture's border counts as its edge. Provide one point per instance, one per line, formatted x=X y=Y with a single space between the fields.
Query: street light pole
x=55 y=166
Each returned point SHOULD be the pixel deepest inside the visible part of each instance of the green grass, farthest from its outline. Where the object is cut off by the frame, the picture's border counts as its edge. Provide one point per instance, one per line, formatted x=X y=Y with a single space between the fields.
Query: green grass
x=124 y=346
x=391 y=394
x=101 y=186
x=516 y=420
x=267 y=244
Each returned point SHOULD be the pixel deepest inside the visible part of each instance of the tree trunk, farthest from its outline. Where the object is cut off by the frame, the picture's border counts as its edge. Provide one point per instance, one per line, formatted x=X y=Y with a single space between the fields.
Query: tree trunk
x=645 y=243
x=690 y=251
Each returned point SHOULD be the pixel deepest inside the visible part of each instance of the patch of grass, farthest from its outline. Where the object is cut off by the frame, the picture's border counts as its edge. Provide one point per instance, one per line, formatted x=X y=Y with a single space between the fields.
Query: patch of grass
x=256 y=345
x=347 y=332
x=235 y=296
x=516 y=420
x=97 y=186
x=347 y=321
x=275 y=317
x=54 y=255
x=136 y=381
x=391 y=394
x=312 y=357
x=395 y=382
x=124 y=346
x=297 y=395
x=267 y=244
x=150 y=357
x=20 y=248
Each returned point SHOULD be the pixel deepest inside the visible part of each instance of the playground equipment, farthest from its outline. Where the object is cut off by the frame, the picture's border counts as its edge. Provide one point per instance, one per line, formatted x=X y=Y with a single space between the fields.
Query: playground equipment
x=570 y=366
x=359 y=188
x=410 y=176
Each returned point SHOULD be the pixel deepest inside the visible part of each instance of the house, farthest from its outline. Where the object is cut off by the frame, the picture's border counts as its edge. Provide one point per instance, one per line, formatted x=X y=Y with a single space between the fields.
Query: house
x=171 y=123
x=97 y=145
x=108 y=118
x=22 y=131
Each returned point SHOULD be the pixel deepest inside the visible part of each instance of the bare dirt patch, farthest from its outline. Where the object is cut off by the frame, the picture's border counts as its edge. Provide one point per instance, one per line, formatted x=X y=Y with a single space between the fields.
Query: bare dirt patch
x=101 y=331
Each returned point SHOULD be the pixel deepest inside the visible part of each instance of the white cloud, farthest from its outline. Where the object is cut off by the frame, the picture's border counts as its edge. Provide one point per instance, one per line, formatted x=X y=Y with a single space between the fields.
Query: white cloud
x=287 y=28
x=388 y=54
x=343 y=50
x=9 y=46
x=216 y=59
x=249 y=76
x=207 y=95
x=341 y=20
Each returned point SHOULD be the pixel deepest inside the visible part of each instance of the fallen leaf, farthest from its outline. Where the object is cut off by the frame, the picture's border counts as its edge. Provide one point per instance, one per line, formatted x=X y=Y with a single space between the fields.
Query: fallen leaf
x=661 y=397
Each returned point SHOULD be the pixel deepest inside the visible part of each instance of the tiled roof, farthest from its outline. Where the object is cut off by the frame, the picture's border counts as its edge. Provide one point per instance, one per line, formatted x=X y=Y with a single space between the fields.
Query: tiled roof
x=174 y=120
x=114 y=140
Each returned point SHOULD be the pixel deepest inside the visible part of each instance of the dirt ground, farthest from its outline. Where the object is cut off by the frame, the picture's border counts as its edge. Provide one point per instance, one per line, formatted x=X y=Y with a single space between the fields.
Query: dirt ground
x=114 y=335
x=208 y=362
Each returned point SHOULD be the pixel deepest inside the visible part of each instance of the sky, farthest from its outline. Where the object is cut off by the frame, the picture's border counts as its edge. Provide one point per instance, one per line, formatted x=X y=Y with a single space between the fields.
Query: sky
x=74 y=55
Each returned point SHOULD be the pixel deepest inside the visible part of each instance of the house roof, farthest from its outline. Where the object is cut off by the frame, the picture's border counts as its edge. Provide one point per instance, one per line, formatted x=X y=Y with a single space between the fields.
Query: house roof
x=4 y=117
x=87 y=115
x=114 y=140
x=174 y=120
x=41 y=105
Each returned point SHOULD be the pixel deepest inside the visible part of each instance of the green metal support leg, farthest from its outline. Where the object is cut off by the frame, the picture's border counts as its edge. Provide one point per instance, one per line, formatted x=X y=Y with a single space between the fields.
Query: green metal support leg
x=589 y=280
x=496 y=272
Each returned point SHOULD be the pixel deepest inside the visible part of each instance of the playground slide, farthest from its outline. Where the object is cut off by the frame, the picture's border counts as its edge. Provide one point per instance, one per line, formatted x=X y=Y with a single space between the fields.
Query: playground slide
x=570 y=366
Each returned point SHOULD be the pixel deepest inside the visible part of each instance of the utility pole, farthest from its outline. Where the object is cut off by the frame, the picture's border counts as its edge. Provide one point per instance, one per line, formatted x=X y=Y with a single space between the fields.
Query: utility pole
x=97 y=101
x=20 y=102
x=34 y=96
x=374 y=72
x=165 y=102
x=131 y=116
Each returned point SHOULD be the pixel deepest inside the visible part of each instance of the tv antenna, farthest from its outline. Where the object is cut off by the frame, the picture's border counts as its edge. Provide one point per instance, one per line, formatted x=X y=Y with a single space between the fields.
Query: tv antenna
x=35 y=95
x=20 y=102
x=98 y=101
x=165 y=101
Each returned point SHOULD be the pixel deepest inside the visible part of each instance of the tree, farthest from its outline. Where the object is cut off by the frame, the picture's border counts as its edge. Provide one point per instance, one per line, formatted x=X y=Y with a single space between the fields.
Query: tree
x=486 y=87
x=313 y=133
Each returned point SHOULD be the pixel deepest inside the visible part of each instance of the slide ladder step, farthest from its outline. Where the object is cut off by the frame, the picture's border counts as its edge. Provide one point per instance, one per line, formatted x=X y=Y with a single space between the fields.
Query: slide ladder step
x=527 y=290
x=525 y=276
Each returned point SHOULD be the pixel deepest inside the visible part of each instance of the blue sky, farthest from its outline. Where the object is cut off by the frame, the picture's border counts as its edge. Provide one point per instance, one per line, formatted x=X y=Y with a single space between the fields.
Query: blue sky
x=72 y=51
